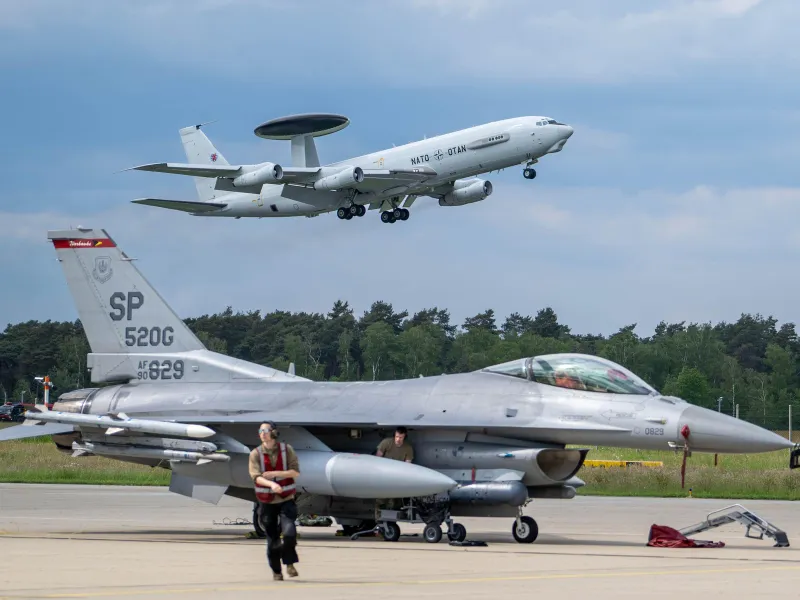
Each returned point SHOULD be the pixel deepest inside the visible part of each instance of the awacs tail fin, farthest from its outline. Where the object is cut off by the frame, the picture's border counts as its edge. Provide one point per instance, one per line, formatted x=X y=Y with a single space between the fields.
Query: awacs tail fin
x=200 y=151
x=132 y=332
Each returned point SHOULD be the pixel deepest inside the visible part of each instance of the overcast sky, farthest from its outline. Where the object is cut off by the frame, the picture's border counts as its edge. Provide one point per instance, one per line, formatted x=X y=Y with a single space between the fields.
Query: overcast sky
x=677 y=198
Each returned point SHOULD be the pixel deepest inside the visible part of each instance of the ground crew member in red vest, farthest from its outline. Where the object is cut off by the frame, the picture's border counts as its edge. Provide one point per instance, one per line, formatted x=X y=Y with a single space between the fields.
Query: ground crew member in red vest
x=273 y=469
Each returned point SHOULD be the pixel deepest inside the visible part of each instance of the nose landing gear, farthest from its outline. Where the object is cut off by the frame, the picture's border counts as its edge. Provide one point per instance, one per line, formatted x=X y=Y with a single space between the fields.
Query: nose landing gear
x=528 y=173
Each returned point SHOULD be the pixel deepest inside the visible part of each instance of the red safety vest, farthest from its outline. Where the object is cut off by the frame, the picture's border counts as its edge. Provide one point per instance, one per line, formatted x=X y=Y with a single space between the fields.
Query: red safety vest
x=265 y=494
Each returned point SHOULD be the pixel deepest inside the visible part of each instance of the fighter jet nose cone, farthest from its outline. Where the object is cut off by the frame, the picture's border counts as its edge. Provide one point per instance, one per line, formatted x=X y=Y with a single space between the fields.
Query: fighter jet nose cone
x=711 y=431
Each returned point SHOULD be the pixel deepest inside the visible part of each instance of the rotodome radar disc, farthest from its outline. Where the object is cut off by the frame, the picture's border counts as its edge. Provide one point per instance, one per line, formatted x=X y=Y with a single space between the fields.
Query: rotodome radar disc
x=314 y=124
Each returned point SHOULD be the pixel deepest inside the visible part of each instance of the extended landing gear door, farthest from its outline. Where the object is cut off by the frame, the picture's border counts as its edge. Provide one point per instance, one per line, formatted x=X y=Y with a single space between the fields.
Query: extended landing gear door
x=199 y=489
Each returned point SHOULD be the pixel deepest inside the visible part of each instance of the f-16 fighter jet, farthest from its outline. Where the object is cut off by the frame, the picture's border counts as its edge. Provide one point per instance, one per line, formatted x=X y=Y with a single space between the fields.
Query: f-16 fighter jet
x=442 y=167
x=485 y=442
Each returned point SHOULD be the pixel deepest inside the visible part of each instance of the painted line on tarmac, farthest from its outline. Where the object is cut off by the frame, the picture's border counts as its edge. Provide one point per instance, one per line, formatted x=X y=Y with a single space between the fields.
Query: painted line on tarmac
x=384 y=583
x=508 y=548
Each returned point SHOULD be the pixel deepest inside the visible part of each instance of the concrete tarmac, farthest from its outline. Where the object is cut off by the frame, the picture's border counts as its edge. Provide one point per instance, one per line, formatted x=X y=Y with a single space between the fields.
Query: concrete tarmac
x=62 y=541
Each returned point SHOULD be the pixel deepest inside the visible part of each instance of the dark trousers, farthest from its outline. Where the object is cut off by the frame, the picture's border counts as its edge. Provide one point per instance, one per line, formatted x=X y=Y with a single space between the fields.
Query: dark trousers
x=278 y=520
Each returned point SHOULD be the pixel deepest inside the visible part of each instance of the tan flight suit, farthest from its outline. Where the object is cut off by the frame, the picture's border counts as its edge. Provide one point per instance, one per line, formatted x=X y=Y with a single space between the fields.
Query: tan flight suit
x=392 y=451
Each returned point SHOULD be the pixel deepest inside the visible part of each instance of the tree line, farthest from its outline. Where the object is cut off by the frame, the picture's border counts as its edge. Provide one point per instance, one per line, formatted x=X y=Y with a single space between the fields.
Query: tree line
x=751 y=363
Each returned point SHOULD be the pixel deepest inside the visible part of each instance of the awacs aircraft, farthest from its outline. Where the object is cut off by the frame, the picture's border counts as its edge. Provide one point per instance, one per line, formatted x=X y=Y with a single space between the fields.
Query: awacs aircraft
x=486 y=442
x=442 y=167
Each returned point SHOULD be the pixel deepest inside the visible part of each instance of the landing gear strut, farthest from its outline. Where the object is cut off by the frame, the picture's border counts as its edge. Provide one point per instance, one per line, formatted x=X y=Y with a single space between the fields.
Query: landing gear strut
x=396 y=214
x=525 y=530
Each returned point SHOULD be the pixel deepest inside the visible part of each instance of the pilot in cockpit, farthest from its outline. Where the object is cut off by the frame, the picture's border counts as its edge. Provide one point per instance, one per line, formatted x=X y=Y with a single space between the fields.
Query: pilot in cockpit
x=564 y=379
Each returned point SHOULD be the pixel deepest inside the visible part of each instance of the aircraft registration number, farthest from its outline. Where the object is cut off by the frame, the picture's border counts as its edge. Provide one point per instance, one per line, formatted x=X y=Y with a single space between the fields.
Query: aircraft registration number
x=160 y=369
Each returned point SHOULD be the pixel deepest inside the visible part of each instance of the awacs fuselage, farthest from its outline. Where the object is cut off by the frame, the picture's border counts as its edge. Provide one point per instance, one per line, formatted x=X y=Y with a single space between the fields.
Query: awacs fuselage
x=443 y=167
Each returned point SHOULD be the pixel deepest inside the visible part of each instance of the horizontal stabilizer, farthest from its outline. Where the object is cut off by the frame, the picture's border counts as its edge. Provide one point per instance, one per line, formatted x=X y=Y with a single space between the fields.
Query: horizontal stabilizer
x=181 y=205
x=189 y=169
x=28 y=430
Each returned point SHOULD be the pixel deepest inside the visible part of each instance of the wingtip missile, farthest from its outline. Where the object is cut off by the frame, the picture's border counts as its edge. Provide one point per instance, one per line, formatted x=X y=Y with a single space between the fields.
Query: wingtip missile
x=114 y=424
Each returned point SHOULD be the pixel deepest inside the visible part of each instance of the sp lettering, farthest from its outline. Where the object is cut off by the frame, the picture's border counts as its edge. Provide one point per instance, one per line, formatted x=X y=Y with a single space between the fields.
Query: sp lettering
x=124 y=304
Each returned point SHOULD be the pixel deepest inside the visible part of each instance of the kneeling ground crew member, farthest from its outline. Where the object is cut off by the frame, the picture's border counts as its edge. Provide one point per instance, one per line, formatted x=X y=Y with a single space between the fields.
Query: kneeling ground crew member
x=273 y=469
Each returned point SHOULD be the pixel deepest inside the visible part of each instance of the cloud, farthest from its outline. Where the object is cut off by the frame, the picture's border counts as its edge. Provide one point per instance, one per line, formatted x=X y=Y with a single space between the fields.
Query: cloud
x=447 y=42
x=601 y=257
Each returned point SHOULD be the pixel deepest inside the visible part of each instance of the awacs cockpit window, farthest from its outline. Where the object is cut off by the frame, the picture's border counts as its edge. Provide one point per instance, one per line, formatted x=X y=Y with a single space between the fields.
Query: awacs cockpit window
x=586 y=373
x=515 y=368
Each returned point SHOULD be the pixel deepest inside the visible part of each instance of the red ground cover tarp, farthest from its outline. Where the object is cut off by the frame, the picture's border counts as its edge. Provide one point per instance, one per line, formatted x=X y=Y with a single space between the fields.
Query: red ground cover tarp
x=662 y=536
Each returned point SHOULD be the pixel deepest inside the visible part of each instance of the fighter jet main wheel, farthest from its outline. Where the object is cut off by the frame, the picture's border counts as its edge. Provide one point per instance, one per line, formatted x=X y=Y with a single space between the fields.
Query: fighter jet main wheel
x=391 y=532
x=526 y=531
x=257 y=527
x=529 y=173
x=432 y=533
x=458 y=533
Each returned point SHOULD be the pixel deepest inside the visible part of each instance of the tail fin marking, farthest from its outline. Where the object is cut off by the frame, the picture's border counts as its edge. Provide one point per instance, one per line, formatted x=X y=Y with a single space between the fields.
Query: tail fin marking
x=200 y=151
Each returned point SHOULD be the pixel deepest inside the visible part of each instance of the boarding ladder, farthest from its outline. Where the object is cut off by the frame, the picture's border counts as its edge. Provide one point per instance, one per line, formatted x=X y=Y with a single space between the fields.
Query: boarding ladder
x=737 y=512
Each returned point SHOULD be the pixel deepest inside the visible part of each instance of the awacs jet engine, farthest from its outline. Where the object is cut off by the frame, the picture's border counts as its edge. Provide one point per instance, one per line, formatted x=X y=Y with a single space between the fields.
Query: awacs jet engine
x=467 y=191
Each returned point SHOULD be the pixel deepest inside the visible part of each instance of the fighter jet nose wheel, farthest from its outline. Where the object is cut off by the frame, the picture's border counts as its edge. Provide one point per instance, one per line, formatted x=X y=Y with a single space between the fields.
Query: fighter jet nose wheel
x=525 y=530
x=432 y=533
x=391 y=532
x=529 y=173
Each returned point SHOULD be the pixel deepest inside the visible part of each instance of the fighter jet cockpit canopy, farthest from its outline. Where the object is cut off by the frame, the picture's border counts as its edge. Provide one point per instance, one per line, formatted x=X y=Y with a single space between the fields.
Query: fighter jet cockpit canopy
x=575 y=371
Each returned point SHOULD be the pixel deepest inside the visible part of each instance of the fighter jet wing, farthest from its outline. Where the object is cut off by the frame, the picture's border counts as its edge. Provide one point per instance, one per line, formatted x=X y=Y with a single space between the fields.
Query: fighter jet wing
x=190 y=169
x=294 y=417
x=29 y=430
x=181 y=205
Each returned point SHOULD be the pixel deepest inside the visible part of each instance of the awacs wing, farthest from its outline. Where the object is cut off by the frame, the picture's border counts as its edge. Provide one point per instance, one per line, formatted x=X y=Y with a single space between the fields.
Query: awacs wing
x=181 y=205
x=382 y=181
x=189 y=169
x=299 y=174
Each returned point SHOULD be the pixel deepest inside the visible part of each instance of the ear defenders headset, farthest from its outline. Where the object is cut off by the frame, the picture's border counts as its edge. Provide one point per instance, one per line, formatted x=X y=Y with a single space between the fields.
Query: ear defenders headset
x=273 y=433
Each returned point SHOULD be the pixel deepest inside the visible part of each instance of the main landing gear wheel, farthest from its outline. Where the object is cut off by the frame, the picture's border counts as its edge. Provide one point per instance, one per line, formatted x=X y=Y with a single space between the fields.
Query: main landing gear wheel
x=529 y=173
x=525 y=530
x=432 y=533
x=257 y=527
x=347 y=213
x=458 y=533
x=397 y=214
x=358 y=210
x=391 y=532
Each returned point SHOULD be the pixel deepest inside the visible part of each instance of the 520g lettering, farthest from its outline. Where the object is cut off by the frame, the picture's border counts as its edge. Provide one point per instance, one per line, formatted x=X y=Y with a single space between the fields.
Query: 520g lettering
x=149 y=336
x=160 y=369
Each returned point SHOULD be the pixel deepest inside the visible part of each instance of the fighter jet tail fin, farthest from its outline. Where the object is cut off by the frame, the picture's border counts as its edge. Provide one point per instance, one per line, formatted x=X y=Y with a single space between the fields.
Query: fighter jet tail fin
x=200 y=151
x=120 y=311
x=132 y=332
